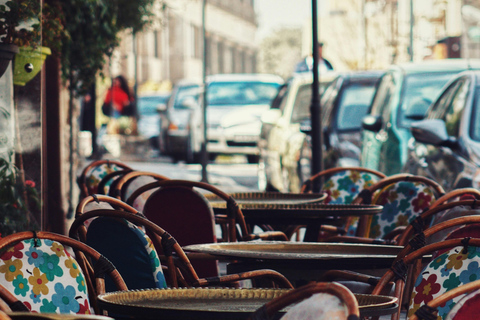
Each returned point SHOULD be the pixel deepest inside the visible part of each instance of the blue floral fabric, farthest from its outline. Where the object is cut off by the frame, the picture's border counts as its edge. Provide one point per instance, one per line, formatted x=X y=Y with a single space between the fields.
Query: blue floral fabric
x=45 y=277
x=445 y=272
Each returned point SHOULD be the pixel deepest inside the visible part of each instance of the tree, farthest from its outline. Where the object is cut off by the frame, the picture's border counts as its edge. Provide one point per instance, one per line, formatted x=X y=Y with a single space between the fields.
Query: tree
x=280 y=51
x=93 y=26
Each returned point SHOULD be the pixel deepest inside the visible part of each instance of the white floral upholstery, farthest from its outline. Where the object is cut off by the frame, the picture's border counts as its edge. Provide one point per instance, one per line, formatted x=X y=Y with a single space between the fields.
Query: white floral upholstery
x=344 y=186
x=320 y=306
x=96 y=174
x=445 y=272
x=45 y=277
x=402 y=202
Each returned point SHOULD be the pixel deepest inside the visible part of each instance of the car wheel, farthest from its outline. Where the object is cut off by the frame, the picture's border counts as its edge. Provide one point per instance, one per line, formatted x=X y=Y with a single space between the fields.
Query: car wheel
x=252 y=158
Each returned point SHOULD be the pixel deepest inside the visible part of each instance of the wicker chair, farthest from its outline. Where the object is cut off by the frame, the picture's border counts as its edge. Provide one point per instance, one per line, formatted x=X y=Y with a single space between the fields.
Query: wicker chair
x=179 y=269
x=317 y=300
x=37 y=268
x=93 y=173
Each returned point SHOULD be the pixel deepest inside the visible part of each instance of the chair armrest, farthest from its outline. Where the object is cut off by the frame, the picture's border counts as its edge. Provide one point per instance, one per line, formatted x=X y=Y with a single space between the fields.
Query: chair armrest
x=349 y=239
x=267 y=235
x=276 y=277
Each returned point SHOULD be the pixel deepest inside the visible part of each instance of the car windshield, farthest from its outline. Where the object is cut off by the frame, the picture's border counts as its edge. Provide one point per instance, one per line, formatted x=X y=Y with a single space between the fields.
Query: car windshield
x=186 y=92
x=241 y=93
x=148 y=105
x=419 y=91
x=353 y=105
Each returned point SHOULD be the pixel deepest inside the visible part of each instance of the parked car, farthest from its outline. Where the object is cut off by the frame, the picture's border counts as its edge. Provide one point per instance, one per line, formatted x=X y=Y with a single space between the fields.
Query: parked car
x=280 y=123
x=149 y=118
x=235 y=103
x=182 y=132
x=446 y=145
x=404 y=94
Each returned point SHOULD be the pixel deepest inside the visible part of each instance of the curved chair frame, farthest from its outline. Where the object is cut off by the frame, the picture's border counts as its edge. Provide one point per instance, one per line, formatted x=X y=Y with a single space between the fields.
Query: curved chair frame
x=119 y=187
x=440 y=300
x=234 y=213
x=111 y=177
x=309 y=183
x=179 y=259
x=268 y=310
x=102 y=266
x=81 y=180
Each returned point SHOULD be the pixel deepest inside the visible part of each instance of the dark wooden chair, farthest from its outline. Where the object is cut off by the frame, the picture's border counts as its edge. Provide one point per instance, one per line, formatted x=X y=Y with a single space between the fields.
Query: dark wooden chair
x=179 y=271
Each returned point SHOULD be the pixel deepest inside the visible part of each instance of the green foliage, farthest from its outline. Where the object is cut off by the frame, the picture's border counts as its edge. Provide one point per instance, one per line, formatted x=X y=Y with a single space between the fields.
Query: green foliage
x=93 y=26
x=17 y=200
x=25 y=23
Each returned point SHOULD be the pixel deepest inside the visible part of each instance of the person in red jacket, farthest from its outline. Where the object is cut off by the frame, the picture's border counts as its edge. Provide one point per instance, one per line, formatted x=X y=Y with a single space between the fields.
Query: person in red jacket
x=118 y=97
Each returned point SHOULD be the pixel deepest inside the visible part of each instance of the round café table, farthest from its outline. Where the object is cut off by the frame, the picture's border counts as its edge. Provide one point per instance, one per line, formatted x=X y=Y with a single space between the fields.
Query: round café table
x=280 y=209
x=300 y=262
x=213 y=303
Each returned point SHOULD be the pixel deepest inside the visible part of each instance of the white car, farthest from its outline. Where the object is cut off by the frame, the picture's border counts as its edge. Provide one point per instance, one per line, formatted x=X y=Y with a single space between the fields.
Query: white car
x=235 y=103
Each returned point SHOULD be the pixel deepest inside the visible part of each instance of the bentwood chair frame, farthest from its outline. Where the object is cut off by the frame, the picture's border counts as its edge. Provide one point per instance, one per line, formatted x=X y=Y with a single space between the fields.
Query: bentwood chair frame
x=429 y=310
x=309 y=184
x=99 y=267
x=234 y=215
x=415 y=250
x=268 y=310
x=180 y=269
x=367 y=195
x=119 y=187
x=82 y=179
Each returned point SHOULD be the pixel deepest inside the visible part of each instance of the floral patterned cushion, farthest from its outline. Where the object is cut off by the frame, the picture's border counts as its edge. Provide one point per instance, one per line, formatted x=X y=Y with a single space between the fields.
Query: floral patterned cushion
x=343 y=187
x=45 y=277
x=402 y=202
x=319 y=306
x=467 y=308
x=445 y=272
x=96 y=174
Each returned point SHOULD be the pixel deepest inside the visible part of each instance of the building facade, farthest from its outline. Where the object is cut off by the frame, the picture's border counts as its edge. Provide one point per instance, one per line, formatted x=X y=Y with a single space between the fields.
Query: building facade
x=173 y=47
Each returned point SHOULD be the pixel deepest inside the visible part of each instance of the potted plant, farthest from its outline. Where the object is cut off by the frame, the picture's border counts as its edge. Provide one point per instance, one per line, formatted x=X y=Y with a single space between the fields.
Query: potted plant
x=30 y=31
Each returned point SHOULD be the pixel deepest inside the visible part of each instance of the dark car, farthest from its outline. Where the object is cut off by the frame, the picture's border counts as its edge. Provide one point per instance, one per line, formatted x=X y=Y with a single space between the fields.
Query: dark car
x=344 y=104
x=403 y=96
x=181 y=130
x=287 y=155
x=446 y=145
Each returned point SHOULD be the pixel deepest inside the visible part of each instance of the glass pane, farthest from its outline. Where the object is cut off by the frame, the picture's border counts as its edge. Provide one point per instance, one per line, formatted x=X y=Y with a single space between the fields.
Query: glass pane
x=21 y=132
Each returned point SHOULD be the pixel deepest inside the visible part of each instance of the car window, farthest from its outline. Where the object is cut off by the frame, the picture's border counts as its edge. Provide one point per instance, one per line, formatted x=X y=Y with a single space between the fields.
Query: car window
x=186 y=92
x=301 y=106
x=418 y=92
x=438 y=108
x=281 y=94
x=283 y=101
x=241 y=93
x=328 y=100
x=455 y=109
x=383 y=96
x=148 y=105
x=353 y=105
x=475 y=121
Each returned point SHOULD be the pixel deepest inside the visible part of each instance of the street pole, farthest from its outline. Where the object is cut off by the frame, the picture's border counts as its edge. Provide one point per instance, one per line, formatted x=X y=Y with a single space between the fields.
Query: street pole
x=204 y=75
x=412 y=18
x=317 y=134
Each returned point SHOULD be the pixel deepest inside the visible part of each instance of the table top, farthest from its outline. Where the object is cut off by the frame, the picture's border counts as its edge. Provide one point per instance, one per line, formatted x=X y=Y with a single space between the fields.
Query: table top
x=249 y=199
x=282 y=250
x=54 y=316
x=213 y=303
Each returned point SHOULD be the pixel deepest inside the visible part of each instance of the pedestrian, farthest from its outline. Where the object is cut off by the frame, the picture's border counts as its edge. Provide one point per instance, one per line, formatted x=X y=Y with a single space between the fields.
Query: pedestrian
x=120 y=107
x=306 y=65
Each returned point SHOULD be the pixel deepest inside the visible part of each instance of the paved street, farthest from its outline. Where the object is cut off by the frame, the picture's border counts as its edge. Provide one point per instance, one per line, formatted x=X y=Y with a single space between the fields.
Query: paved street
x=229 y=174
